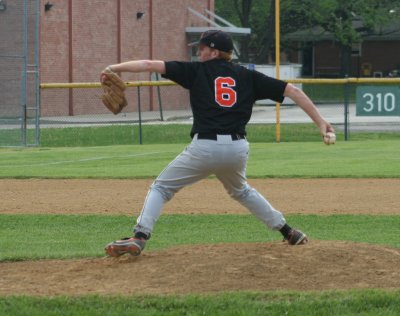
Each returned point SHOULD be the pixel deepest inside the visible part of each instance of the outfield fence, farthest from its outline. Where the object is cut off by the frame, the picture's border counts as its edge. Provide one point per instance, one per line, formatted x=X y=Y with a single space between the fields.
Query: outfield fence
x=335 y=98
x=19 y=76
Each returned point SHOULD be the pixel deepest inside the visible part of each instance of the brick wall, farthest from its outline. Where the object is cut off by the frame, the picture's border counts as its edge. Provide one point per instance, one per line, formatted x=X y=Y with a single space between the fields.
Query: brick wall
x=159 y=34
x=326 y=59
x=383 y=56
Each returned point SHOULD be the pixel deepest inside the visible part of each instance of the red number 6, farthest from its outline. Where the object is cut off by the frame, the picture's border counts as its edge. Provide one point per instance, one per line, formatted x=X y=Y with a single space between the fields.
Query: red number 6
x=225 y=96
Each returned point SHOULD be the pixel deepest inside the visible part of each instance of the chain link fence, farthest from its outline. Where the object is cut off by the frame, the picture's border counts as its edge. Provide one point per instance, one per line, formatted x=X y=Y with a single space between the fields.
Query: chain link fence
x=149 y=102
x=19 y=78
x=72 y=114
x=335 y=98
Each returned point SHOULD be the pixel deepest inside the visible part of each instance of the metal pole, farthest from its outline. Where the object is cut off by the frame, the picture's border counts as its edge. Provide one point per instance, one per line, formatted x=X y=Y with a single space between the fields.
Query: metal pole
x=24 y=75
x=70 y=59
x=140 y=116
x=346 y=110
x=159 y=99
x=277 y=65
x=37 y=75
x=23 y=108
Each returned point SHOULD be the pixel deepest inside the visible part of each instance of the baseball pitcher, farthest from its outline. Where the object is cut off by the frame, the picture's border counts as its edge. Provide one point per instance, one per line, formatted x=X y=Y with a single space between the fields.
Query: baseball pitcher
x=222 y=95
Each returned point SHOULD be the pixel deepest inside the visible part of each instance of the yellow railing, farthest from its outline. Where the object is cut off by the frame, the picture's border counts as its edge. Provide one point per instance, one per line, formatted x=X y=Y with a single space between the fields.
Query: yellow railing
x=347 y=80
x=342 y=81
x=98 y=85
x=171 y=83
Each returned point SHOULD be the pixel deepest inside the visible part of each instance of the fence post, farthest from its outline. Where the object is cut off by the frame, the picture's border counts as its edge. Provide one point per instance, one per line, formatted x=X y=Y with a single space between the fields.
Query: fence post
x=159 y=98
x=25 y=76
x=37 y=73
x=23 y=105
x=346 y=109
x=140 y=116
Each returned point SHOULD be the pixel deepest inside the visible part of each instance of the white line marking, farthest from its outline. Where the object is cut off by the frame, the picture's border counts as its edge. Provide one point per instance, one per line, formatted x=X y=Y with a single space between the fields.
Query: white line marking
x=85 y=159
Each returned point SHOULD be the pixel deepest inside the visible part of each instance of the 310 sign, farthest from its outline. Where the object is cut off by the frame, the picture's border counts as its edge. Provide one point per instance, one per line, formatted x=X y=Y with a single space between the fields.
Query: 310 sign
x=378 y=101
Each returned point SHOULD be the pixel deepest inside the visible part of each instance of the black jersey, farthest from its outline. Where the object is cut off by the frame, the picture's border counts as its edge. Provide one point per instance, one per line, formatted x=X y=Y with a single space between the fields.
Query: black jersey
x=222 y=94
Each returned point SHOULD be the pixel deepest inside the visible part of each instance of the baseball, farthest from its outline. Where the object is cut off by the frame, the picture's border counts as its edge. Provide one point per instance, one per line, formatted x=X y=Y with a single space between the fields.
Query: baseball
x=330 y=138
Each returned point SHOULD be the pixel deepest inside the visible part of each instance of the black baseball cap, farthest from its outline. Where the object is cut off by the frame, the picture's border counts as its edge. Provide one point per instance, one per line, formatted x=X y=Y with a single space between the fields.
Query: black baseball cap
x=217 y=39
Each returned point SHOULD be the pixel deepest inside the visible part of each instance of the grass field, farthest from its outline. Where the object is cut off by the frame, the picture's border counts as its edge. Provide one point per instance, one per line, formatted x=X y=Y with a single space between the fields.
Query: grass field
x=179 y=133
x=26 y=237
x=78 y=236
x=359 y=159
x=329 y=93
x=343 y=303
x=170 y=134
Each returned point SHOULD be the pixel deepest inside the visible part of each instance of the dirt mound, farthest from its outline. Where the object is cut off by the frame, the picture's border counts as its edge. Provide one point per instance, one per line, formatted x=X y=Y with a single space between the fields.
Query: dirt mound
x=319 y=265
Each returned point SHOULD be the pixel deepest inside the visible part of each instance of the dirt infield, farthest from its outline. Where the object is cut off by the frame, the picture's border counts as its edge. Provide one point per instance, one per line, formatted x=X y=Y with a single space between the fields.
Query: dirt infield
x=303 y=196
x=318 y=265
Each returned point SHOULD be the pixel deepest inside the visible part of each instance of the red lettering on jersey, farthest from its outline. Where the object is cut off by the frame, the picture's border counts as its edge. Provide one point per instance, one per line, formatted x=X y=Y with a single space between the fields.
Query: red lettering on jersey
x=225 y=96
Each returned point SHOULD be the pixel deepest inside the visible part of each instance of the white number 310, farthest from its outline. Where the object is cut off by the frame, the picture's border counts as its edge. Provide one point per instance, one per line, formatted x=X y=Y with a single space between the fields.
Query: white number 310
x=385 y=102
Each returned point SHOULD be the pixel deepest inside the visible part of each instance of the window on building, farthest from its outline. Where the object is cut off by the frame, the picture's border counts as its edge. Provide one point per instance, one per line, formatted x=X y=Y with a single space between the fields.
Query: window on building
x=356 y=49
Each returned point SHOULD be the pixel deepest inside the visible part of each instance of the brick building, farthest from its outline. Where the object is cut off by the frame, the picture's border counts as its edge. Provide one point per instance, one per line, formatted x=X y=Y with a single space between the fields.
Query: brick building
x=72 y=41
x=79 y=38
x=320 y=55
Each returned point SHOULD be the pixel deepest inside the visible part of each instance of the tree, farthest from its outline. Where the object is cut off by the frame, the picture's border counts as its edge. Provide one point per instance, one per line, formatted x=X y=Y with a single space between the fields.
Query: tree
x=256 y=15
x=348 y=21
x=243 y=10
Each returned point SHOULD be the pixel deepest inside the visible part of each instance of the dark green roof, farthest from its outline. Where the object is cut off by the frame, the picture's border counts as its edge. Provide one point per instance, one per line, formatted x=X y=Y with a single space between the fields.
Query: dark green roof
x=390 y=32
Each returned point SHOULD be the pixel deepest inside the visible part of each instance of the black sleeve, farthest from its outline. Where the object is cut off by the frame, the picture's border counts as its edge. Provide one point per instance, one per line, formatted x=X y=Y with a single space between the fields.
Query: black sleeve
x=183 y=73
x=268 y=88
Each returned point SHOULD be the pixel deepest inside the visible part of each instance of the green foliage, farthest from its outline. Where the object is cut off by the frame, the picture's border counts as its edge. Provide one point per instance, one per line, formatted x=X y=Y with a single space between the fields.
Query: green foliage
x=259 y=16
x=348 y=21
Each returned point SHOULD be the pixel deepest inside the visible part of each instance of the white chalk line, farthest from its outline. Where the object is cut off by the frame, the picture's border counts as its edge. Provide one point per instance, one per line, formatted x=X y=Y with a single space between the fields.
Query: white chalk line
x=84 y=160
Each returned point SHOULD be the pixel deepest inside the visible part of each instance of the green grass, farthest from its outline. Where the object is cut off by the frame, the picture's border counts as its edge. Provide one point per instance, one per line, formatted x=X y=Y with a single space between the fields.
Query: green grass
x=179 y=133
x=370 y=158
x=329 y=93
x=68 y=236
x=343 y=303
x=301 y=154
x=71 y=236
x=168 y=134
x=163 y=134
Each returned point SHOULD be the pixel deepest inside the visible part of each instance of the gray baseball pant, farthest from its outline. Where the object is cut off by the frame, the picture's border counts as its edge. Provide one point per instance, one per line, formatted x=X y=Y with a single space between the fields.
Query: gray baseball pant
x=227 y=160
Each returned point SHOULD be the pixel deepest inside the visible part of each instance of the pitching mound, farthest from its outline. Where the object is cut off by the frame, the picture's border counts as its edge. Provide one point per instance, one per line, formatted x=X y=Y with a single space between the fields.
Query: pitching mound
x=319 y=265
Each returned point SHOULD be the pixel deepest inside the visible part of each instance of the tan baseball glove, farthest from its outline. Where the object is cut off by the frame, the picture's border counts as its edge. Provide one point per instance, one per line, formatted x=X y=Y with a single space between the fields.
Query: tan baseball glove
x=114 y=91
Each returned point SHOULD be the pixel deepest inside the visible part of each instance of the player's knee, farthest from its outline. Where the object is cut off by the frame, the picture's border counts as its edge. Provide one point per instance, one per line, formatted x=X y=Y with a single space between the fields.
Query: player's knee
x=167 y=193
x=240 y=194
